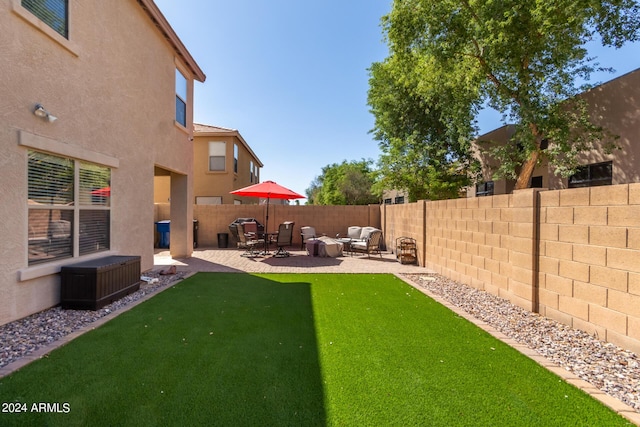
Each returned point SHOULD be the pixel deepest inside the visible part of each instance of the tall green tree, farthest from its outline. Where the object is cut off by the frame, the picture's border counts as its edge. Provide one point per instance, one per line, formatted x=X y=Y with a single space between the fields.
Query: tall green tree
x=346 y=183
x=524 y=59
x=423 y=135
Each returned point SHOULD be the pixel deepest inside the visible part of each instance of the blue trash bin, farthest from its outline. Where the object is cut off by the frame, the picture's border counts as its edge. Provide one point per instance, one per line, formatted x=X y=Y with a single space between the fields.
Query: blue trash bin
x=163 y=229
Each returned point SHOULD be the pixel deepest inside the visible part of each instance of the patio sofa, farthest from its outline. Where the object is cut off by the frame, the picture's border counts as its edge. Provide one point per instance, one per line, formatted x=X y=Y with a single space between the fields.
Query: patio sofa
x=356 y=233
x=364 y=239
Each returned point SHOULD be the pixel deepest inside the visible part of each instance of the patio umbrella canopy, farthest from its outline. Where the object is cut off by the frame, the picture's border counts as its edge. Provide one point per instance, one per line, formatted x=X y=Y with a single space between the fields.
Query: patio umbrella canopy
x=103 y=192
x=268 y=190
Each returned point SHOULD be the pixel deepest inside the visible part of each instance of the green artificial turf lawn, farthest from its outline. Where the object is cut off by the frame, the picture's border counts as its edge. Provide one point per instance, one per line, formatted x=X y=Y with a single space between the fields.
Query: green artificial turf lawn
x=235 y=349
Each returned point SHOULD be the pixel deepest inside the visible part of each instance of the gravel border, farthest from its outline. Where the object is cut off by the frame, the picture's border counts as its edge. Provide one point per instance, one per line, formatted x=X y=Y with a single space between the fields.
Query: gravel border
x=23 y=337
x=609 y=368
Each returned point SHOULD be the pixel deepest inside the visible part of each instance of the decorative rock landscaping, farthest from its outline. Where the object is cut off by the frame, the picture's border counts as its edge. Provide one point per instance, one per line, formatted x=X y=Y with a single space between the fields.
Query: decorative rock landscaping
x=24 y=336
x=608 y=367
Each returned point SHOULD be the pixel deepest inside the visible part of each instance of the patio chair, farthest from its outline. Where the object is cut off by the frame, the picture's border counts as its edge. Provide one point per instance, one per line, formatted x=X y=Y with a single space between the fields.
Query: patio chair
x=307 y=233
x=284 y=238
x=249 y=239
x=369 y=246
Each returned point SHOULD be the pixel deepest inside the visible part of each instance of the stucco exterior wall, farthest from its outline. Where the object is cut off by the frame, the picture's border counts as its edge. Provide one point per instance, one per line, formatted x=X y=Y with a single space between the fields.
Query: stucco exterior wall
x=219 y=184
x=112 y=88
x=614 y=105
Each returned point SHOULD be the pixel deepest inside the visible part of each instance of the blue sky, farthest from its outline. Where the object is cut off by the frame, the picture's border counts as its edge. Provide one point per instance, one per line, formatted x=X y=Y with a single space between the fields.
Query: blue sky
x=292 y=77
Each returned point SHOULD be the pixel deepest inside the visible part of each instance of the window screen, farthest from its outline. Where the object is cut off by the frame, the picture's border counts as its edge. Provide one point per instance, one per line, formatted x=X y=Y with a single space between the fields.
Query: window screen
x=94 y=231
x=54 y=13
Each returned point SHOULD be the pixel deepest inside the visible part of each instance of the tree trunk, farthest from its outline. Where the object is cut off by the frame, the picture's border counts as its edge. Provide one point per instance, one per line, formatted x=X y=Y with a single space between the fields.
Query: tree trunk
x=524 y=178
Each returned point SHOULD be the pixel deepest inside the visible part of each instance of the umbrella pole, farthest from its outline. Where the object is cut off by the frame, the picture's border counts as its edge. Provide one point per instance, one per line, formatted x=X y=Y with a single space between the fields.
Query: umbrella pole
x=266 y=223
x=266 y=230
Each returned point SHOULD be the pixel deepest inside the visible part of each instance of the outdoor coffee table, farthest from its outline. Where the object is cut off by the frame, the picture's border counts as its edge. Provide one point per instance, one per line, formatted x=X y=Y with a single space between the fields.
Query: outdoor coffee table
x=346 y=242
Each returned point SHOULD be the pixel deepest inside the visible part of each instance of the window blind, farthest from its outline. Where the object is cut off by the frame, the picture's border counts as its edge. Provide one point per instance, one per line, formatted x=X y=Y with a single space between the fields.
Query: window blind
x=54 y=13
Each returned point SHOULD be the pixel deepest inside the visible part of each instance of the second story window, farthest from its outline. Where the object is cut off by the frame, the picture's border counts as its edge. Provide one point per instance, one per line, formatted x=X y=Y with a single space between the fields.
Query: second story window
x=251 y=171
x=181 y=98
x=484 y=189
x=592 y=175
x=217 y=156
x=54 y=13
x=235 y=158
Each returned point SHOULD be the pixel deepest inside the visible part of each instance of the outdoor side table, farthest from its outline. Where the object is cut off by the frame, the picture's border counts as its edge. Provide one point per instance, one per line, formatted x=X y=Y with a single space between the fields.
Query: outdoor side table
x=346 y=243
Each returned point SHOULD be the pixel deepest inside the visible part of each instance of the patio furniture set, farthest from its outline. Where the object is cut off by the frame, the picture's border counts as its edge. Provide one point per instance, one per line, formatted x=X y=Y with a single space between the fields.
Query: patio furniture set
x=358 y=240
x=256 y=241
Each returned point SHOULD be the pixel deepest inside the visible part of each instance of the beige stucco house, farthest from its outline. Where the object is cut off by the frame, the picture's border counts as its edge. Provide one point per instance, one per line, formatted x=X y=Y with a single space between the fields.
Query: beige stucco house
x=614 y=105
x=95 y=100
x=395 y=197
x=222 y=162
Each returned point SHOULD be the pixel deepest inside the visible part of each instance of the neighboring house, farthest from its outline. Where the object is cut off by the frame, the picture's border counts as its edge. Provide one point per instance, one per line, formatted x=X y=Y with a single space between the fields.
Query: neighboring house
x=95 y=99
x=614 y=105
x=222 y=162
x=394 y=197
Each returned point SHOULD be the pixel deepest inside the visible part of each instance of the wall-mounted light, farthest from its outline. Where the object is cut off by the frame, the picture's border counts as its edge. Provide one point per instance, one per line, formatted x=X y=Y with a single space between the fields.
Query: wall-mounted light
x=41 y=112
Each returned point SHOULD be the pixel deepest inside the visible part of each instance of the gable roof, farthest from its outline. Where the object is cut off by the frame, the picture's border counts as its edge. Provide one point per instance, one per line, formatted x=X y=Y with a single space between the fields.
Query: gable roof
x=163 y=25
x=210 y=130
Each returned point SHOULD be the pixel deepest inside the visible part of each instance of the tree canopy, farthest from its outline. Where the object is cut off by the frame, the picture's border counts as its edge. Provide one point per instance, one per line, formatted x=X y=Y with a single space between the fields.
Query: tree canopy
x=450 y=58
x=347 y=183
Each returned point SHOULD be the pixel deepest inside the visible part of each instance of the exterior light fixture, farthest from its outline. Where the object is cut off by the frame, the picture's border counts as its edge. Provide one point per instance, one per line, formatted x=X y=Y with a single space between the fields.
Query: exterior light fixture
x=41 y=112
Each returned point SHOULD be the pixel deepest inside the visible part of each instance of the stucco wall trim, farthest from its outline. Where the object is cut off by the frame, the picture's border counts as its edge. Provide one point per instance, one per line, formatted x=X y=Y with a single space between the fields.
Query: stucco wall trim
x=44 y=28
x=53 y=146
x=54 y=267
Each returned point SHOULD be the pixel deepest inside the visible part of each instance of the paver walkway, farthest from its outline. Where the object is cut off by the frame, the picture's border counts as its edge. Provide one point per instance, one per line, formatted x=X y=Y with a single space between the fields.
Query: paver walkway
x=231 y=260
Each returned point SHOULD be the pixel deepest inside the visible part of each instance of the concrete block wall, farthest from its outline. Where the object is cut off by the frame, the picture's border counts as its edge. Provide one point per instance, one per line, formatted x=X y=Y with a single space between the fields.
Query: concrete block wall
x=485 y=242
x=328 y=220
x=589 y=265
x=405 y=220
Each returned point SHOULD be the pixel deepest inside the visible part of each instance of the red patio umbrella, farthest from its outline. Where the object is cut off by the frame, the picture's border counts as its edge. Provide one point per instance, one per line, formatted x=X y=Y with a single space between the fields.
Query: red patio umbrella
x=103 y=192
x=270 y=190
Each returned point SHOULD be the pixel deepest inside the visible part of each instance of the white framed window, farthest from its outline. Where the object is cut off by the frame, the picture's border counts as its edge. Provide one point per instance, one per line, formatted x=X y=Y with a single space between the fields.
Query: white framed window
x=181 y=98
x=251 y=171
x=68 y=205
x=217 y=156
x=54 y=13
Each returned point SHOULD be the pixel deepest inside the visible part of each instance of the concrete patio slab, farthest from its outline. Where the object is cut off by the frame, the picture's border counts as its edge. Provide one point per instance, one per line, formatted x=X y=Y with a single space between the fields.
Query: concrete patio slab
x=231 y=260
